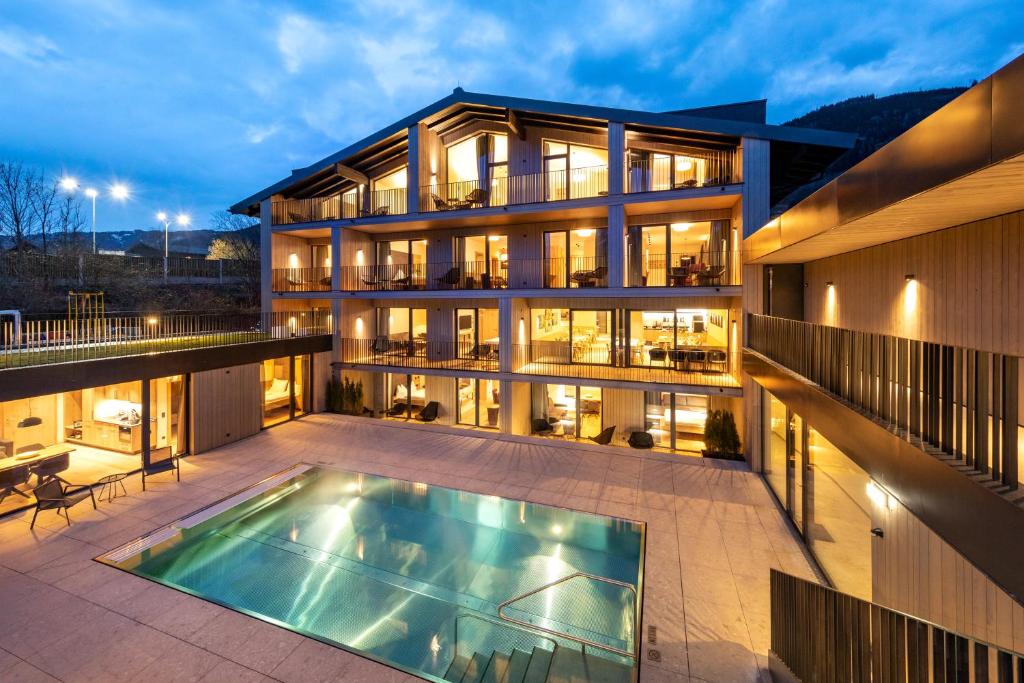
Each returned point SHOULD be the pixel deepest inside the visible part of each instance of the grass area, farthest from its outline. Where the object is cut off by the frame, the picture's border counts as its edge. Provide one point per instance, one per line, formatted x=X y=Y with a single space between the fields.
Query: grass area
x=136 y=347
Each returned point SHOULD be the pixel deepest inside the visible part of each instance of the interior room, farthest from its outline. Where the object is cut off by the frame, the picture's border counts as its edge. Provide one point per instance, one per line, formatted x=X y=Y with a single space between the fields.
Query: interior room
x=576 y=258
x=573 y=170
x=572 y=335
x=681 y=254
x=665 y=338
x=479 y=402
x=407 y=394
x=389 y=192
x=277 y=379
x=569 y=411
x=477 y=332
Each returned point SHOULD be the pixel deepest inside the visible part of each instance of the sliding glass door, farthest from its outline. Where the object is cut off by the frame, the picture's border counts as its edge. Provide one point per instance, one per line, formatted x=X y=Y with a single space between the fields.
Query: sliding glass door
x=479 y=402
x=482 y=261
x=576 y=258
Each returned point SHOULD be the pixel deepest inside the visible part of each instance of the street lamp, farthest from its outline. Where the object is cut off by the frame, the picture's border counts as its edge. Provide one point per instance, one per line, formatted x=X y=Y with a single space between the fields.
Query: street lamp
x=162 y=217
x=119 y=191
x=68 y=184
x=91 y=193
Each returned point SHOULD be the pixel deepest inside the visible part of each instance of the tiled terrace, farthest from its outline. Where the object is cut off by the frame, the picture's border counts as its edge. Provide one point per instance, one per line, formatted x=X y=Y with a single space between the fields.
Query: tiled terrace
x=713 y=532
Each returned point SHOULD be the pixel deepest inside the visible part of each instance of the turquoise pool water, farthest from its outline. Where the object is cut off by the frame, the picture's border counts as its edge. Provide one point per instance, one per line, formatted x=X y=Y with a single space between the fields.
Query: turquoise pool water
x=414 y=575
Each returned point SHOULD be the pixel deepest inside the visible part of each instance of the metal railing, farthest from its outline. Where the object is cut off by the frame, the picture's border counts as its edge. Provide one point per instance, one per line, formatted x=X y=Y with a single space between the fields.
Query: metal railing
x=417 y=353
x=584 y=642
x=301 y=280
x=391 y=202
x=704 y=168
x=963 y=402
x=528 y=632
x=588 y=271
x=820 y=634
x=681 y=269
x=532 y=188
x=83 y=268
x=46 y=341
x=704 y=366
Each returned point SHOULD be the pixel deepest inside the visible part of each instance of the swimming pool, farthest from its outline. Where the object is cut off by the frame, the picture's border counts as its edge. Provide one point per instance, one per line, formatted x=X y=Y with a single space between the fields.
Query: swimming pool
x=444 y=584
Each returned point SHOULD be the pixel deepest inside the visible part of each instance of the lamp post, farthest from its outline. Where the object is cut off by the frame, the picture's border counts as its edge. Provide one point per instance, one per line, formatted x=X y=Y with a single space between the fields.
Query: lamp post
x=91 y=193
x=162 y=217
x=118 y=191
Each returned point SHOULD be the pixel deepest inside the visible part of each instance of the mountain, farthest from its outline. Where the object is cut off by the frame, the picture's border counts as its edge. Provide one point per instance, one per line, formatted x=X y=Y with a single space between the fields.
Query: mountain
x=182 y=241
x=875 y=120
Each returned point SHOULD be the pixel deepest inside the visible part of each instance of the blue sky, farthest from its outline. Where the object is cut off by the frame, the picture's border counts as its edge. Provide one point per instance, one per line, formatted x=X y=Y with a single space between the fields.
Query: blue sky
x=198 y=104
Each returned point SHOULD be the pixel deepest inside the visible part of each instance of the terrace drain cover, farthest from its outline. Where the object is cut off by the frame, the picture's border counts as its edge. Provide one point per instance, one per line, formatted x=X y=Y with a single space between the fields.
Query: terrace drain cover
x=653 y=655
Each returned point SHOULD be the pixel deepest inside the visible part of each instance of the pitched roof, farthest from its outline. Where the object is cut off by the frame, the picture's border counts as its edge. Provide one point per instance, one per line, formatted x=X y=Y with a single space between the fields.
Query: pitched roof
x=676 y=120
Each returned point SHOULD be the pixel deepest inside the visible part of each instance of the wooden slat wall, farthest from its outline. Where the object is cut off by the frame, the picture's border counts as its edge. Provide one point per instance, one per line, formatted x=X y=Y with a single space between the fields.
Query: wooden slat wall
x=320 y=377
x=915 y=571
x=284 y=245
x=226 y=406
x=442 y=390
x=353 y=309
x=623 y=408
x=680 y=217
x=752 y=302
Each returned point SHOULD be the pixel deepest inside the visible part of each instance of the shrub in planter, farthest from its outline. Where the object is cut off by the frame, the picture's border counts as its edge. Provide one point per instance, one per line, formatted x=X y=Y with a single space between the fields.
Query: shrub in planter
x=721 y=439
x=335 y=402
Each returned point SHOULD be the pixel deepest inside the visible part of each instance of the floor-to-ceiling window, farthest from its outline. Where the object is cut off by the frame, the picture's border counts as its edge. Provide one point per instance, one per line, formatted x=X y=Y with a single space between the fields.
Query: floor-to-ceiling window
x=276 y=377
x=576 y=258
x=685 y=339
x=676 y=421
x=776 y=446
x=389 y=193
x=167 y=411
x=561 y=335
x=572 y=171
x=572 y=411
x=651 y=171
x=477 y=169
x=477 y=333
x=479 y=402
x=406 y=394
x=482 y=261
x=677 y=254
x=402 y=264
x=403 y=327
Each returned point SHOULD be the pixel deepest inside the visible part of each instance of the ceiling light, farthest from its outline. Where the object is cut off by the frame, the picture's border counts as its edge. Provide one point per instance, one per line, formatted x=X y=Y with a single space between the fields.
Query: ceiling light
x=586 y=232
x=681 y=227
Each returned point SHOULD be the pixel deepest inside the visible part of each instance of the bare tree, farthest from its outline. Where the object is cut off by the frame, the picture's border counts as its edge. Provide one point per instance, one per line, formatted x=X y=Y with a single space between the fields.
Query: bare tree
x=16 y=214
x=43 y=201
x=225 y=221
x=240 y=243
x=70 y=223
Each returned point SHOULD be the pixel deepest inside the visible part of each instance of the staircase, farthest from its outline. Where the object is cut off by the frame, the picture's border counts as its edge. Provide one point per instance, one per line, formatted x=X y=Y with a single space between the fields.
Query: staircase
x=564 y=665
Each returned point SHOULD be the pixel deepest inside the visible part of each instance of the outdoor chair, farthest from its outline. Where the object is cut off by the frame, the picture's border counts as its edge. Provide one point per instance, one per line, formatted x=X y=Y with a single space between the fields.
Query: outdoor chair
x=441 y=205
x=51 y=468
x=677 y=357
x=541 y=426
x=161 y=460
x=11 y=478
x=429 y=412
x=717 y=360
x=380 y=345
x=450 y=278
x=297 y=217
x=57 y=495
x=397 y=409
x=697 y=359
x=605 y=437
x=477 y=196
x=640 y=440
x=711 y=276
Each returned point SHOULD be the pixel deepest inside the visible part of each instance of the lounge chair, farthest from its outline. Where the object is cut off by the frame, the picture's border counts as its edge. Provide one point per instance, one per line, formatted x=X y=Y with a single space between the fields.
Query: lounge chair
x=589 y=278
x=297 y=217
x=380 y=345
x=605 y=437
x=429 y=412
x=397 y=409
x=56 y=495
x=541 y=426
x=442 y=205
x=477 y=196
x=160 y=460
x=11 y=478
x=640 y=440
x=451 y=278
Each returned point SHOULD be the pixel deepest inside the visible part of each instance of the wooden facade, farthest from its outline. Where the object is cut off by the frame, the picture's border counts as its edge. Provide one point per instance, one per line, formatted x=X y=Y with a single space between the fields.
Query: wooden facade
x=230 y=402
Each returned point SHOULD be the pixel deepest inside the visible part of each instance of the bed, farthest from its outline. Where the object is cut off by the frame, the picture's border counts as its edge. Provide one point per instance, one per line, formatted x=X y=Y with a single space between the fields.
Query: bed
x=277 y=394
x=418 y=398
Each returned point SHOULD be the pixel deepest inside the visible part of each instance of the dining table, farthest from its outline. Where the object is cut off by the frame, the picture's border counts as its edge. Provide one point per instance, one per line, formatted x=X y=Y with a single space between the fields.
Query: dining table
x=32 y=457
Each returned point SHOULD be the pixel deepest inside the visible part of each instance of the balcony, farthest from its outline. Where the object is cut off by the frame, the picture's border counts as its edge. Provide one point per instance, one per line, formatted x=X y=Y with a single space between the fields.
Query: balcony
x=420 y=354
x=392 y=202
x=301 y=280
x=956 y=403
x=706 y=168
x=703 y=366
x=44 y=342
x=683 y=269
x=552 y=186
x=553 y=273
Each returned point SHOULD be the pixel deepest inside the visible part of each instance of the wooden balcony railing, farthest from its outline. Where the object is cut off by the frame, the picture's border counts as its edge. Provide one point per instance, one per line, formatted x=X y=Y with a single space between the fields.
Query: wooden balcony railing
x=820 y=634
x=682 y=269
x=301 y=280
x=420 y=353
x=963 y=402
x=532 y=188
x=709 y=168
x=46 y=341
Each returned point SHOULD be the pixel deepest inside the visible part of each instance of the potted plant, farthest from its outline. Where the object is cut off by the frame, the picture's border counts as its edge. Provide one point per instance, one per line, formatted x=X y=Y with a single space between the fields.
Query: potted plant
x=721 y=439
x=335 y=395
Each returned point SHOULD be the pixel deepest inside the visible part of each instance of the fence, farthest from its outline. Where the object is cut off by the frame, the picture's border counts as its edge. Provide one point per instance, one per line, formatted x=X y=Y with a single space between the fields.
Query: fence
x=414 y=353
x=41 y=342
x=820 y=634
x=82 y=268
x=963 y=402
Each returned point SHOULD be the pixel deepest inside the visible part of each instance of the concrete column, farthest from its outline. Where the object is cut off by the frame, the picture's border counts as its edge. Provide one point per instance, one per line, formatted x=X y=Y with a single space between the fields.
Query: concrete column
x=336 y=258
x=412 y=192
x=266 y=258
x=616 y=157
x=616 y=245
x=756 y=169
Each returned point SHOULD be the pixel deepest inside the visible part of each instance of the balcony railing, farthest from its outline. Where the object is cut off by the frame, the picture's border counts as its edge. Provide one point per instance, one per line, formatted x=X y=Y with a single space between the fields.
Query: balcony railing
x=820 y=634
x=42 y=342
x=705 y=366
x=589 y=271
x=710 y=168
x=683 y=269
x=532 y=188
x=391 y=202
x=420 y=353
x=301 y=280
x=963 y=402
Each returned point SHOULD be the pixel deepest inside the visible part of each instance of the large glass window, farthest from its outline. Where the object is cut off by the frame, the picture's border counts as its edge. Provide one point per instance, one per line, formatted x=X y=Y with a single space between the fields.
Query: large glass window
x=167 y=413
x=479 y=402
x=562 y=335
x=838 y=516
x=482 y=261
x=653 y=171
x=572 y=171
x=485 y=154
x=676 y=421
x=389 y=193
x=402 y=264
x=403 y=326
x=406 y=394
x=576 y=258
x=677 y=254
x=276 y=378
x=685 y=339
x=573 y=412
x=477 y=332
x=776 y=446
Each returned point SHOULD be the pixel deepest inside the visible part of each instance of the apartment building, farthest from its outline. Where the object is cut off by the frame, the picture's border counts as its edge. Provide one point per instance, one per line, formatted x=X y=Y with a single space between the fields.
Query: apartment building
x=538 y=268
x=882 y=355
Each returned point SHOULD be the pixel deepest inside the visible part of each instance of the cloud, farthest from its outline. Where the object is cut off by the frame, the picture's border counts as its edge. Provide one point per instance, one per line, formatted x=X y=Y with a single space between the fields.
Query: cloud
x=302 y=41
x=30 y=48
x=257 y=134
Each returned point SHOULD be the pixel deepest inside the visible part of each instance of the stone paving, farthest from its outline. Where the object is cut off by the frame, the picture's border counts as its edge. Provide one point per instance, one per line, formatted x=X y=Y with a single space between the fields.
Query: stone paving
x=713 y=533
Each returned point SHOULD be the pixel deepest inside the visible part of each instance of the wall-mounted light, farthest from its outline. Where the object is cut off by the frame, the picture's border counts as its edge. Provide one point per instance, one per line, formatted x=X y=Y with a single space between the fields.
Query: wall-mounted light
x=293 y=260
x=829 y=284
x=908 y=277
x=881 y=497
